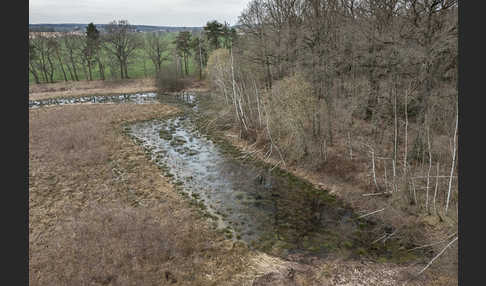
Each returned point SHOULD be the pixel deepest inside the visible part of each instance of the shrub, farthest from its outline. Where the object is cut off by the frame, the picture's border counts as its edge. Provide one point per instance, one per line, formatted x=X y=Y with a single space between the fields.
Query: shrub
x=169 y=81
x=290 y=109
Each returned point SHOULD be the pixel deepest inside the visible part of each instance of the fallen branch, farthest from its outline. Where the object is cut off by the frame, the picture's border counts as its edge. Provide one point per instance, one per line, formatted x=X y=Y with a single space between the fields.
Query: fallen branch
x=380 y=238
x=362 y=216
x=275 y=166
x=390 y=235
x=440 y=253
x=375 y=194
x=424 y=177
x=432 y=244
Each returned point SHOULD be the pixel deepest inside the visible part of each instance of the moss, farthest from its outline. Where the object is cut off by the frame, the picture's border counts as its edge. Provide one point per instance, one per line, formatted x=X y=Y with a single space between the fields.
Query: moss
x=347 y=244
x=361 y=251
x=164 y=134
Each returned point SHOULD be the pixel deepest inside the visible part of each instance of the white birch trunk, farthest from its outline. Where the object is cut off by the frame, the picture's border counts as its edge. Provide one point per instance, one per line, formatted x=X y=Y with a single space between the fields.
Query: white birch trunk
x=453 y=163
x=428 y=173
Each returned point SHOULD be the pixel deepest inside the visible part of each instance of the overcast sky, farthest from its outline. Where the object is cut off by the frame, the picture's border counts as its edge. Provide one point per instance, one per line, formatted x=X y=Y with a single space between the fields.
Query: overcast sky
x=140 y=12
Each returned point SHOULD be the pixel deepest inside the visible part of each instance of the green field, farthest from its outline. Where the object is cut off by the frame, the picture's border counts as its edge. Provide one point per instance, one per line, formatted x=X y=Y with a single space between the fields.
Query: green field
x=139 y=65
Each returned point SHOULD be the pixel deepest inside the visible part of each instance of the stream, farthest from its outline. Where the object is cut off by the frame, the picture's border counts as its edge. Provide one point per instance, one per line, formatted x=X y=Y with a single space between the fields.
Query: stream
x=138 y=98
x=267 y=208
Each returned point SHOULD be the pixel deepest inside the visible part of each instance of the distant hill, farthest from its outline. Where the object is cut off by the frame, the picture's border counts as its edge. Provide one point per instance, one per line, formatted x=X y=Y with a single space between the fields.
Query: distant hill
x=82 y=27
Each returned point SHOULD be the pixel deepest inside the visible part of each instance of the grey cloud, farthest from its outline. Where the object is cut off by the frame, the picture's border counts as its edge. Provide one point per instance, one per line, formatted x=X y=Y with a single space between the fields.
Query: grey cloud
x=148 y=12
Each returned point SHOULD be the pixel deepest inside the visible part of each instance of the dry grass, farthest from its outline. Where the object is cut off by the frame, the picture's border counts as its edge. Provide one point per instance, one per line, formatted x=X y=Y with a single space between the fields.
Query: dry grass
x=101 y=214
x=95 y=87
x=114 y=245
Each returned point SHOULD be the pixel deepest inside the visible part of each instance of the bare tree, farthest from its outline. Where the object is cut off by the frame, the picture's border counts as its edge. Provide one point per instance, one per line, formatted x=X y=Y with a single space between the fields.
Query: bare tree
x=42 y=49
x=73 y=45
x=156 y=47
x=33 y=62
x=121 y=41
x=385 y=64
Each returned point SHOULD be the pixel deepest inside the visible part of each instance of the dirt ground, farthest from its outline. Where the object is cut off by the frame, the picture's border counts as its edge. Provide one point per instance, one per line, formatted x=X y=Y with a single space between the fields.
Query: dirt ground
x=100 y=213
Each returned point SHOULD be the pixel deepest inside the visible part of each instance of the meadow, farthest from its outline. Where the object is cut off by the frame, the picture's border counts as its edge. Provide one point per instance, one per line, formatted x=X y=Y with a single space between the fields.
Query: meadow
x=139 y=65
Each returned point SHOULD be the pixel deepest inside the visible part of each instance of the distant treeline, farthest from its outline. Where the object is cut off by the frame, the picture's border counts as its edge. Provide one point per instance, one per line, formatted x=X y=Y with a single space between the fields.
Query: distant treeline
x=101 y=27
x=118 y=50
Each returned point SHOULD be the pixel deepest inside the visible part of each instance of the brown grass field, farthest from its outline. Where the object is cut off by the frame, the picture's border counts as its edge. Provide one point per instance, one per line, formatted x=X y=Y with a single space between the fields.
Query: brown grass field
x=95 y=87
x=100 y=213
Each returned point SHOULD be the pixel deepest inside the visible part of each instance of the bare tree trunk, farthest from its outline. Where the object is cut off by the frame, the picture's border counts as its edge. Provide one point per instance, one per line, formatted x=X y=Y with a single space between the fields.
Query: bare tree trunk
x=34 y=73
x=453 y=161
x=234 y=89
x=101 y=68
x=121 y=70
x=85 y=71
x=258 y=105
x=70 y=72
x=89 y=69
x=406 y=136
x=144 y=67
x=428 y=173
x=44 y=72
x=182 y=66
x=436 y=187
x=73 y=64
x=395 y=141
x=125 y=68
x=386 y=181
x=350 y=146
x=200 y=60
x=185 y=64
x=61 y=65
x=405 y=166
x=51 y=74
x=414 y=193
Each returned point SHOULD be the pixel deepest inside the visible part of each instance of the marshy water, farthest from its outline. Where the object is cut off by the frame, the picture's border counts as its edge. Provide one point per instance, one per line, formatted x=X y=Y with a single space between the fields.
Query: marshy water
x=139 y=98
x=267 y=208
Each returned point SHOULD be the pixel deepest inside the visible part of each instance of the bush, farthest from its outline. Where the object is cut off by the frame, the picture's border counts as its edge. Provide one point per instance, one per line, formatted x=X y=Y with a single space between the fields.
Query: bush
x=291 y=107
x=169 y=81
